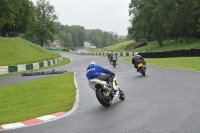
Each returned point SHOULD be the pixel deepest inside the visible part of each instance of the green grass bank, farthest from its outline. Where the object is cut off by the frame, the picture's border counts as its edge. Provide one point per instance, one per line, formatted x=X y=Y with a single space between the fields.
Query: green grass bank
x=14 y=51
x=152 y=46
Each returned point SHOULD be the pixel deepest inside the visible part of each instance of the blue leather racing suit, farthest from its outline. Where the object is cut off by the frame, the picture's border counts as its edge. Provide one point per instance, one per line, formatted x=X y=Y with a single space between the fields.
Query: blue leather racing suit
x=94 y=70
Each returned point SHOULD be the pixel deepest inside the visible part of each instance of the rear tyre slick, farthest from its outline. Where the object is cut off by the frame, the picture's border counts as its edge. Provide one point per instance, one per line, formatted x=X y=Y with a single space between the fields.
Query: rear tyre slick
x=143 y=71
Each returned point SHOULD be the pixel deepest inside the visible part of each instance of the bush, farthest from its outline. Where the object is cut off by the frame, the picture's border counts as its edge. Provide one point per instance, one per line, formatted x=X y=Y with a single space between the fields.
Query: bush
x=65 y=49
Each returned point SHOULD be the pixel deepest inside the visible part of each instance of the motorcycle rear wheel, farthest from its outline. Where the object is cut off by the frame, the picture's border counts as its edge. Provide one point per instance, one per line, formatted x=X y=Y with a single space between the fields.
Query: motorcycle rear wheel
x=102 y=98
x=143 y=71
x=114 y=63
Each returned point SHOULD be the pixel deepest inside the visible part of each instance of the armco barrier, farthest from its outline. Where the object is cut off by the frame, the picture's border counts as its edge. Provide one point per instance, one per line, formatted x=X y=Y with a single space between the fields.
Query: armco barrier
x=24 y=67
x=157 y=54
x=3 y=69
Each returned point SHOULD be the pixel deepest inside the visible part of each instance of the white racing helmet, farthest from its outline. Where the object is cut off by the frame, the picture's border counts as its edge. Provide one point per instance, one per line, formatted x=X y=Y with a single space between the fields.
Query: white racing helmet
x=92 y=62
x=136 y=53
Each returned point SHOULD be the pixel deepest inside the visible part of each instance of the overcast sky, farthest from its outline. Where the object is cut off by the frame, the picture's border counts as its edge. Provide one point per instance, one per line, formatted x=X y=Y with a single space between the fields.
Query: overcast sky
x=106 y=15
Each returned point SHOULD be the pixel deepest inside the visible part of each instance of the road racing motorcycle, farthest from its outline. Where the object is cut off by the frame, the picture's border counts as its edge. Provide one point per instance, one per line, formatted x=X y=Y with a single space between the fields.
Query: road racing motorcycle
x=106 y=92
x=114 y=62
x=141 y=67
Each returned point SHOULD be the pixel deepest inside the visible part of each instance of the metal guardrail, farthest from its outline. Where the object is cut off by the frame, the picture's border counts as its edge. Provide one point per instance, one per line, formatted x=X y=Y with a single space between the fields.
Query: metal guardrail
x=24 y=67
x=156 y=54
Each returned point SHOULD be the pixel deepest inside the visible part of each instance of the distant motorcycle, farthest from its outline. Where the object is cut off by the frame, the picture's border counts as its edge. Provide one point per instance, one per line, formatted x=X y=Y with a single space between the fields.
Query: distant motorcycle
x=104 y=92
x=114 y=62
x=141 y=67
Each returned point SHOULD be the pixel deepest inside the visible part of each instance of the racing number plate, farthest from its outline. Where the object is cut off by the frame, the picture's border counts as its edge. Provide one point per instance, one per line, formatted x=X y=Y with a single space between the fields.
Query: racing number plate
x=139 y=64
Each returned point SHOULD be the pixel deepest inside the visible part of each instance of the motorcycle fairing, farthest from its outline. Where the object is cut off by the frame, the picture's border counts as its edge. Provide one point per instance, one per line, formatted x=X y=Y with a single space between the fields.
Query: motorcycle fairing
x=93 y=82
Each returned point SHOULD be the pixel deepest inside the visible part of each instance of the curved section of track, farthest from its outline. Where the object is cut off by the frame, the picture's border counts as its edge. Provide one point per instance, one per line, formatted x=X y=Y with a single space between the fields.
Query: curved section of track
x=164 y=101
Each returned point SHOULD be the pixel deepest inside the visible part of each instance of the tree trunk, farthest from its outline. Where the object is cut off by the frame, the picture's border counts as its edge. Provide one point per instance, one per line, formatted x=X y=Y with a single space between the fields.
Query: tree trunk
x=159 y=40
x=41 y=42
x=176 y=38
x=158 y=36
x=160 y=43
x=6 y=33
x=187 y=37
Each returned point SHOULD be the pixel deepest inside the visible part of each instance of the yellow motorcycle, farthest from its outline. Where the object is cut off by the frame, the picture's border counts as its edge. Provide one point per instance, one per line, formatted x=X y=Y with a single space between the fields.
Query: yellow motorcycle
x=141 y=67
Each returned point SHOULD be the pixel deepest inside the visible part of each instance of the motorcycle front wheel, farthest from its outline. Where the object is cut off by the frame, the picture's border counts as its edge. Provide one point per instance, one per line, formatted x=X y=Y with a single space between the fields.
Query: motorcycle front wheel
x=102 y=97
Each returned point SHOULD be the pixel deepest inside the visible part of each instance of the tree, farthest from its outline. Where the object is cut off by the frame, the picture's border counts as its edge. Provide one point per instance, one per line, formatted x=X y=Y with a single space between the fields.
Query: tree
x=159 y=19
x=141 y=19
x=101 y=38
x=25 y=17
x=65 y=38
x=147 y=20
x=81 y=35
x=9 y=9
x=97 y=41
x=105 y=38
x=68 y=40
x=44 y=27
x=74 y=35
x=196 y=9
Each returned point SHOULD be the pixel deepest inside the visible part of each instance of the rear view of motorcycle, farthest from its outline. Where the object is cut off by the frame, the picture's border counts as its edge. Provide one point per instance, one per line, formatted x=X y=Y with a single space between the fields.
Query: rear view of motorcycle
x=106 y=92
x=114 y=63
x=114 y=59
x=141 y=67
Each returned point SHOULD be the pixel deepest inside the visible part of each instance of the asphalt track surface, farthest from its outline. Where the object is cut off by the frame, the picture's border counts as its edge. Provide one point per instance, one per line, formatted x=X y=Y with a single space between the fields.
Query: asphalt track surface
x=165 y=101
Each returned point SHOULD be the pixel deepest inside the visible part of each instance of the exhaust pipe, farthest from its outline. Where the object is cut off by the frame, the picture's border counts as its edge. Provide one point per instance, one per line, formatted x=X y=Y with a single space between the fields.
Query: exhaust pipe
x=106 y=88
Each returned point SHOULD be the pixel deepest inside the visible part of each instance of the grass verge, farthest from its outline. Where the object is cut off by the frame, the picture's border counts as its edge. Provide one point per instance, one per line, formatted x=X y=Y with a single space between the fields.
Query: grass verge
x=31 y=99
x=188 y=63
x=14 y=51
x=152 y=46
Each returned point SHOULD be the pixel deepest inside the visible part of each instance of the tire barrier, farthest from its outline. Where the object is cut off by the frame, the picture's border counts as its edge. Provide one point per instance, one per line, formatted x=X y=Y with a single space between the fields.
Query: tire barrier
x=53 y=71
x=174 y=53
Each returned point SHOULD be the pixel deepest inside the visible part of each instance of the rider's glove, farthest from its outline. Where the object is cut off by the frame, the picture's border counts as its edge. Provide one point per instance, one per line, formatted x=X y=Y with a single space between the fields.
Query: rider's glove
x=113 y=74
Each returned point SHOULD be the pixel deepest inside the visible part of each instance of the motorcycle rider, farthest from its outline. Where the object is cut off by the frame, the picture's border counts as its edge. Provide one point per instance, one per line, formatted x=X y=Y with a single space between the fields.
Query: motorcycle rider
x=109 y=56
x=96 y=71
x=114 y=57
x=137 y=58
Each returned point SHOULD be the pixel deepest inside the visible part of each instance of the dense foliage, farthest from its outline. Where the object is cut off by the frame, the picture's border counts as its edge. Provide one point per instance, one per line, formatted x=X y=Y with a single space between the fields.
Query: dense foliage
x=15 y=16
x=101 y=38
x=70 y=36
x=75 y=36
x=37 y=23
x=160 y=19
